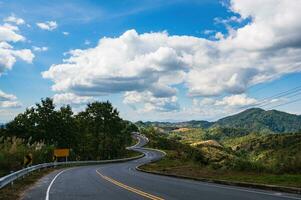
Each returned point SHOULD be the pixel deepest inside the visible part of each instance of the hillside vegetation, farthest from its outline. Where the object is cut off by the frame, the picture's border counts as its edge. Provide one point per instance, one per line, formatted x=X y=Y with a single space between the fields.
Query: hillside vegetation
x=259 y=120
x=244 y=147
x=251 y=120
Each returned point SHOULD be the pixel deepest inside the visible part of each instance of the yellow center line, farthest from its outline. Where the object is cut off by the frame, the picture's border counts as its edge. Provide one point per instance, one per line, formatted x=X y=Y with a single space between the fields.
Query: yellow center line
x=144 y=194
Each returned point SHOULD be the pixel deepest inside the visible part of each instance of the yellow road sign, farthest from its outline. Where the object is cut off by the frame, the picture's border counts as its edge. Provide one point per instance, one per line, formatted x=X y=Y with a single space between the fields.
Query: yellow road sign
x=61 y=152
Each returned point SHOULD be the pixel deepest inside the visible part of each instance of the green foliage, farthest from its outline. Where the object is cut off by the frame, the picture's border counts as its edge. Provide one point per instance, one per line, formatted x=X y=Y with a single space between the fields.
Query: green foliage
x=95 y=133
x=183 y=151
x=13 y=150
x=221 y=133
x=259 y=120
x=278 y=153
x=251 y=120
x=234 y=149
x=45 y=124
x=104 y=134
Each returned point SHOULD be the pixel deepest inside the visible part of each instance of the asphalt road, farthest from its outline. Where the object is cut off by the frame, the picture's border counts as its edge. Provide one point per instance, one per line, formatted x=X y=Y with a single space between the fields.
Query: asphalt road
x=122 y=181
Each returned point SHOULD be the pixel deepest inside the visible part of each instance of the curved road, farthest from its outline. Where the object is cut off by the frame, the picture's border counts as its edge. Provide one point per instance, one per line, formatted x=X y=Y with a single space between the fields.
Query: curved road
x=121 y=181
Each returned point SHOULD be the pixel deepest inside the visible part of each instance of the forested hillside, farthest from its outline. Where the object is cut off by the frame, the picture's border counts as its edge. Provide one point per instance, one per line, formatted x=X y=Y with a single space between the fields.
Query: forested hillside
x=251 y=120
x=254 y=140
x=259 y=120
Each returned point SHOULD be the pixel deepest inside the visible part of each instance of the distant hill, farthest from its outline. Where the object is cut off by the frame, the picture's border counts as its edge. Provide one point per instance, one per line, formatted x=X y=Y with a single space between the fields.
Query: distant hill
x=250 y=120
x=174 y=125
x=259 y=120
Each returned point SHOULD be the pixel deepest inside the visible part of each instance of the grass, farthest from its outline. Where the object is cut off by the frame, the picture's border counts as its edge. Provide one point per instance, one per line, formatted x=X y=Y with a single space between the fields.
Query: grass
x=190 y=169
x=14 y=192
x=130 y=153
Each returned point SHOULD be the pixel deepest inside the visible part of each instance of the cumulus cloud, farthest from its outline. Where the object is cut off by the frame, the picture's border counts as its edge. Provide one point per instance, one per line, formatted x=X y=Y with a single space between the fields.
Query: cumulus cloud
x=236 y=100
x=65 y=33
x=131 y=62
x=8 y=54
x=151 y=103
x=10 y=33
x=69 y=98
x=14 y=19
x=39 y=49
x=48 y=25
x=265 y=48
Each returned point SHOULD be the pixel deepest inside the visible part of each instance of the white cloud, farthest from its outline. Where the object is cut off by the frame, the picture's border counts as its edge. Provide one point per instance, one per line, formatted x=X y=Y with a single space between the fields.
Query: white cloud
x=6 y=97
x=72 y=99
x=39 y=49
x=65 y=33
x=232 y=101
x=151 y=103
x=8 y=54
x=236 y=100
x=10 y=104
x=48 y=25
x=10 y=33
x=265 y=48
x=14 y=19
x=8 y=100
x=131 y=62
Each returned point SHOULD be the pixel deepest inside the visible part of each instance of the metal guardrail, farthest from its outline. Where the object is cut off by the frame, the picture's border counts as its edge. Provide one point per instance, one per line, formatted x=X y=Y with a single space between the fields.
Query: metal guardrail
x=10 y=178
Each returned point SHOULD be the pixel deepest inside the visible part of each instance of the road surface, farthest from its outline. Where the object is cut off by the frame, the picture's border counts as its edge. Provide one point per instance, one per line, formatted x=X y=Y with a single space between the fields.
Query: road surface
x=121 y=181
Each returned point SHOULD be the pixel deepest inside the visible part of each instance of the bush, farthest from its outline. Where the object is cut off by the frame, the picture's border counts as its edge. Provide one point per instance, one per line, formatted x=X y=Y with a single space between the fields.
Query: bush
x=13 y=150
x=240 y=164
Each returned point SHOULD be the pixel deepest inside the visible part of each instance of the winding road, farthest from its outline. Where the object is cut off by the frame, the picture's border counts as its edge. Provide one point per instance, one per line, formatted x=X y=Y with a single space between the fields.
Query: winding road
x=121 y=181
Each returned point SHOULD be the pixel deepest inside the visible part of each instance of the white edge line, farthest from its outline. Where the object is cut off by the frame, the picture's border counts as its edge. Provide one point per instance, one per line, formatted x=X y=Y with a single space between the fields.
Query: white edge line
x=51 y=183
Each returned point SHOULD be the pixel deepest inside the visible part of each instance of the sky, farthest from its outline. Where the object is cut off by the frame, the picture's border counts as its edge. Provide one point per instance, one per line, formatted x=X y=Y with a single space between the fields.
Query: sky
x=157 y=60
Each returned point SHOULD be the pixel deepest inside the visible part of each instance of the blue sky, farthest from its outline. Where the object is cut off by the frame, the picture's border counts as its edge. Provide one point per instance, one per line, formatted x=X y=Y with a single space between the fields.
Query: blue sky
x=227 y=56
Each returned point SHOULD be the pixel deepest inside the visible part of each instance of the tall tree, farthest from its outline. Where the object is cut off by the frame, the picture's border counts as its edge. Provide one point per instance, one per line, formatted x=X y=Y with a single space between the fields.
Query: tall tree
x=47 y=120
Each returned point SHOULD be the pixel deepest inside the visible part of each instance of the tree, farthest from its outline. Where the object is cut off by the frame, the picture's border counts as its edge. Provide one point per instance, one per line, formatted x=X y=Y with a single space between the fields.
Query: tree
x=106 y=128
x=96 y=133
x=24 y=126
x=66 y=134
x=47 y=121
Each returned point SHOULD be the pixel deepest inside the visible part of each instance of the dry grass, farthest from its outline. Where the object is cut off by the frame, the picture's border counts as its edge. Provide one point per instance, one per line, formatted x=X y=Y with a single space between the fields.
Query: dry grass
x=194 y=170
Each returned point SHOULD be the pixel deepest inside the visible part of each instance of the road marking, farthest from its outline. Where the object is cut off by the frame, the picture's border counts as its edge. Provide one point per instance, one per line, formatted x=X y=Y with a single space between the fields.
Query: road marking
x=144 y=194
x=51 y=183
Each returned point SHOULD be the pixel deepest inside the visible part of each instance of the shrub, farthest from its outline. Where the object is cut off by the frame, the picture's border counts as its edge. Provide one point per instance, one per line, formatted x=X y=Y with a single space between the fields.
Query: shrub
x=13 y=150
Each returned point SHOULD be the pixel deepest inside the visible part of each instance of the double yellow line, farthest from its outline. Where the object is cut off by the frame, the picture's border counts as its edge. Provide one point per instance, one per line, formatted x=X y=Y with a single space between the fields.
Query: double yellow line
x=144 y=194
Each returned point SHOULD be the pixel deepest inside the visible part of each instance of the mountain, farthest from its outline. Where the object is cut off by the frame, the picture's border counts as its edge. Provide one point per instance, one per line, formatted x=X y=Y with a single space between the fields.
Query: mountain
x=250 y=120
x=259 y=120
x=175 y=125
